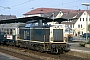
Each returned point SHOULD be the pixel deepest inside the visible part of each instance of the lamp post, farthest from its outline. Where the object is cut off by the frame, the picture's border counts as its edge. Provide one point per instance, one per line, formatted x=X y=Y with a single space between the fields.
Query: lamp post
x=86 y=4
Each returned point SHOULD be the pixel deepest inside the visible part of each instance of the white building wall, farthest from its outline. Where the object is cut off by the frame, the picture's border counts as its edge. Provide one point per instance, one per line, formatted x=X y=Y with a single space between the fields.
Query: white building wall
x=82 y=22
x=59 y=15
x=32 y=15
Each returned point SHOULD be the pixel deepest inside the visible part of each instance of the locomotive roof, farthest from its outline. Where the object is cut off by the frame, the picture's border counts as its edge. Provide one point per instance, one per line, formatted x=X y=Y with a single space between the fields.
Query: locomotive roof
x=34 y=19
x=12 y=25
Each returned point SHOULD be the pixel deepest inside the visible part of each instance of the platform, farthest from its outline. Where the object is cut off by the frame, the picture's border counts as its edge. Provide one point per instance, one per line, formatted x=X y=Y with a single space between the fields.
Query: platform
x=77 y=50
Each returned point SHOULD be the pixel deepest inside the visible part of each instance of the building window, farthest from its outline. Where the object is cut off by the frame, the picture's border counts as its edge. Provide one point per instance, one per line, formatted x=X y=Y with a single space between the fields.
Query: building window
x=83 y=19
x=78 y=26
x=73 y=25
x=86 y=19
x=80 y=19
x=81 y=25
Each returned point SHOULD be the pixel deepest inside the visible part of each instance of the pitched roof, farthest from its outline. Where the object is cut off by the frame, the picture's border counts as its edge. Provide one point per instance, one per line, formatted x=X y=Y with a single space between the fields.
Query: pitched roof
x=5 y=17
x=71 y=16
x=40 y=11
x=52 y=14
x=68 y=13
x=67 y=10
x=88 y=12
x=46 y=10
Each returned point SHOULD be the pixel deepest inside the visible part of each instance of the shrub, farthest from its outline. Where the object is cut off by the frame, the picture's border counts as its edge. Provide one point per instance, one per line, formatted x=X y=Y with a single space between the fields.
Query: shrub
x=83 y=43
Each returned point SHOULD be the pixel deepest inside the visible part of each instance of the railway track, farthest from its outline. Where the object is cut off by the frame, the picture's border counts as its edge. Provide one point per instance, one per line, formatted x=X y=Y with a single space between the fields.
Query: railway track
x=26 y=54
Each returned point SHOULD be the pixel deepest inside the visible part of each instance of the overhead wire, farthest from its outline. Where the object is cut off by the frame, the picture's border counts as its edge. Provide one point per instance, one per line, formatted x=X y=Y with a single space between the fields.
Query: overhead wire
x=22 y=3
x=16 y=5
x=57 y=4
x=45 y=3
x=65 y=3
x=62 y=3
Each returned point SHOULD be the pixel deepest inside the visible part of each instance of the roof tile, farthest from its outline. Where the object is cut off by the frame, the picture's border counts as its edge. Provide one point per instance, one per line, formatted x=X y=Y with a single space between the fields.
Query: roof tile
x=40 y=11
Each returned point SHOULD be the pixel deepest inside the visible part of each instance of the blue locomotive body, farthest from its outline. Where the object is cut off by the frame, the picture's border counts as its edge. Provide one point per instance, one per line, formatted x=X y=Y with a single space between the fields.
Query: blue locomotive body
x=43 y=38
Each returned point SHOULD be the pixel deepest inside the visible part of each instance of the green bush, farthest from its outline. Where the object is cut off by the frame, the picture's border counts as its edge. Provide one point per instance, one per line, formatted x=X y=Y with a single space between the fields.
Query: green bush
x=83 y=43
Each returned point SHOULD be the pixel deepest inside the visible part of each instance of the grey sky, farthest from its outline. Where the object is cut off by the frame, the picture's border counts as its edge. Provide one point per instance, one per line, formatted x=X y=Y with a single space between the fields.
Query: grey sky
x=19 y=7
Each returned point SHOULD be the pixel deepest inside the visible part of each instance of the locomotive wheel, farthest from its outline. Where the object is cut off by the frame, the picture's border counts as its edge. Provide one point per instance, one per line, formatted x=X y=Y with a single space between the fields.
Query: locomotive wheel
x=41 y=49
